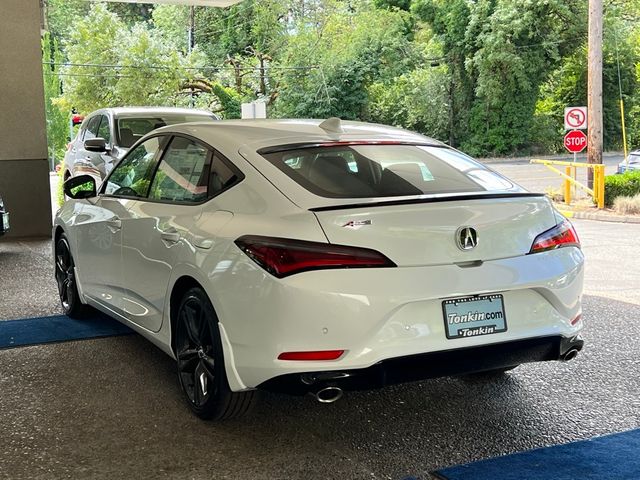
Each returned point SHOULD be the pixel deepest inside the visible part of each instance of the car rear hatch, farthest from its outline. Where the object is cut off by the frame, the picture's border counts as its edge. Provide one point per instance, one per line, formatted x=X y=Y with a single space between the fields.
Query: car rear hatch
x=442 y=231
x=412 y=202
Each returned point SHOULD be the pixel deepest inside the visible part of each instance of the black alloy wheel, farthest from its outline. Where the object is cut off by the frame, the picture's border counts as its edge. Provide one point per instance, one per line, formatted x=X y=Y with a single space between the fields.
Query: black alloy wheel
x=201 y=362
x=66 y=279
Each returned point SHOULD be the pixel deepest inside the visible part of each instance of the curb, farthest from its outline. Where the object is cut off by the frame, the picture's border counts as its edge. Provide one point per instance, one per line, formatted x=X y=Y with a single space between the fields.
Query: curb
x=601 y=217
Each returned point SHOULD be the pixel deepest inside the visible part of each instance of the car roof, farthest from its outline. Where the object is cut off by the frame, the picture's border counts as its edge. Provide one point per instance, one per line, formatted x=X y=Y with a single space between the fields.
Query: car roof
x=141 y=111
x=245 y=138
x=257 y=134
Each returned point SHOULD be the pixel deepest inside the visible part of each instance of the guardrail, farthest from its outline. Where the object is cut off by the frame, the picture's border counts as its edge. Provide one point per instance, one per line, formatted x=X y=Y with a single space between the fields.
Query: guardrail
x=597 y=192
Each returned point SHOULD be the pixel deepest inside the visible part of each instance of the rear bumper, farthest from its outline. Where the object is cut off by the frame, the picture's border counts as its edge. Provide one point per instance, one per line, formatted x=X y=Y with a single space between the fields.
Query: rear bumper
x=429 y=365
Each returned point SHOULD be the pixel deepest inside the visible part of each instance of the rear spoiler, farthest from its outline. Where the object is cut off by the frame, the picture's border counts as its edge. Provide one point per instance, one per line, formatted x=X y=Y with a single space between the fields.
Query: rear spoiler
x=444 y=198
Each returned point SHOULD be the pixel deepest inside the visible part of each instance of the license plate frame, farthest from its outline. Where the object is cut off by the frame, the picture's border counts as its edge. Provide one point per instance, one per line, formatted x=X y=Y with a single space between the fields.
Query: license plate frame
x=473 y=316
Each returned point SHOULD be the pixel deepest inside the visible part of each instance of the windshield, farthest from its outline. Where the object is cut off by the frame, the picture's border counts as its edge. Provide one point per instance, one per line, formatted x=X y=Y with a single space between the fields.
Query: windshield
x=389 y=170
x=131 y=129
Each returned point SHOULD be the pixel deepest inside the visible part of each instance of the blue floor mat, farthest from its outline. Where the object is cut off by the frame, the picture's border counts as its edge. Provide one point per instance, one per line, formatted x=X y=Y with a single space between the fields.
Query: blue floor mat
x=58 y=328
x=614 y=456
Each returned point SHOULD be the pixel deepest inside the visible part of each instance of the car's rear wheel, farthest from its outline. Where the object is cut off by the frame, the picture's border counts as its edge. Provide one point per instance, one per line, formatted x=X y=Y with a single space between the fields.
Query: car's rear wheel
x=201 y=361
x=66 y=279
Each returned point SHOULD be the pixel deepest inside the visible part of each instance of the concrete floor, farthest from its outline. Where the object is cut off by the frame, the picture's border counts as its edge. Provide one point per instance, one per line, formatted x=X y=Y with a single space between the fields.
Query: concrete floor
x=111 y=408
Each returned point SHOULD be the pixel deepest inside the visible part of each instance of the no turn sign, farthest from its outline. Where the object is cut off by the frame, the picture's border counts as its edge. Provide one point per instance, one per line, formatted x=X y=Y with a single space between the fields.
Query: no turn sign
x=575 y=118
x=575 y=141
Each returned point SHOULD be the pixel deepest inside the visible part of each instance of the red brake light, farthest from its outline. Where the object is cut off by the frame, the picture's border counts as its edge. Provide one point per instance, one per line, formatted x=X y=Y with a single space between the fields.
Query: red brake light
x=562 y=235
x=310 y=356
x=282 y=257
x=69 y=145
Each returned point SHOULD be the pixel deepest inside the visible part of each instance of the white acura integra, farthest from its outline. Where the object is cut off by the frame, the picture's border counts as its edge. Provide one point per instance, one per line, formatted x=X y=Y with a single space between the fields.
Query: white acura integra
x=301 y=256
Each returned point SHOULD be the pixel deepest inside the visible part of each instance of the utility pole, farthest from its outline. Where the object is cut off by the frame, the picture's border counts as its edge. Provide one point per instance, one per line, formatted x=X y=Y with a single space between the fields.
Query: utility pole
x=192 y=27
x=594 y=93
x=191 y=41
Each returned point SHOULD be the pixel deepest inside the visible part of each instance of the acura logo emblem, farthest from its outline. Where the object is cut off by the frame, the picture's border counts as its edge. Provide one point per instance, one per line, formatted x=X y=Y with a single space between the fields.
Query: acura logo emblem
x=466 y=238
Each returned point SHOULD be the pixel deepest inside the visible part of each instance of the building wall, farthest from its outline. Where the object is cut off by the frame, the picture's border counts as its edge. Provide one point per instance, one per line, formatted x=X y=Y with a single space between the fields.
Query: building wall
x=24 y=169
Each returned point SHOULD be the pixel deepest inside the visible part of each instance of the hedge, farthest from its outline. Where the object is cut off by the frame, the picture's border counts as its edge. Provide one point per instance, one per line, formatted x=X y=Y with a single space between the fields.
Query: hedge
x=622 y=185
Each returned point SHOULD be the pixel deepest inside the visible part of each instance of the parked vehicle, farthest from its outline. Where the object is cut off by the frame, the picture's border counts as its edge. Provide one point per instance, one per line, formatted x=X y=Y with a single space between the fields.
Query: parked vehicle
x=4 y=218
x=300 y=256
x=632 y=163
x=107 y=134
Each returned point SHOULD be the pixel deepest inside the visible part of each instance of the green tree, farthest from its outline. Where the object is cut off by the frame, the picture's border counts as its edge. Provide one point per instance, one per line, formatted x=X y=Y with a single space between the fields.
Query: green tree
x=328 y=66
x=57 y=118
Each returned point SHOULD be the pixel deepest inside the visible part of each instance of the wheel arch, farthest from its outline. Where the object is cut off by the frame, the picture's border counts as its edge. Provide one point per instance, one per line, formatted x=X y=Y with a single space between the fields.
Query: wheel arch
x=179 y=288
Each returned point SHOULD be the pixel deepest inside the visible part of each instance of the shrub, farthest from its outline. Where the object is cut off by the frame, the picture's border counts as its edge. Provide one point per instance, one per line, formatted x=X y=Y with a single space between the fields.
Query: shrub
x=625 y=185
x=627 y=205
x=60 y=190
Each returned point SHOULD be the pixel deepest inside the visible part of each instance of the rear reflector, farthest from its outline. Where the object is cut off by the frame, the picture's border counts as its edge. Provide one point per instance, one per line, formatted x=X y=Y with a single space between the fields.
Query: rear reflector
x=282 y=257
x=562 y=235
x=576 y=320
x=310 y=356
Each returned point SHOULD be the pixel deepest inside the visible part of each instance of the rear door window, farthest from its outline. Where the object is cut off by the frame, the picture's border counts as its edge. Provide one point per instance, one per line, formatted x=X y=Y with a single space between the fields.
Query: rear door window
x=183 y=173
x=191 y=172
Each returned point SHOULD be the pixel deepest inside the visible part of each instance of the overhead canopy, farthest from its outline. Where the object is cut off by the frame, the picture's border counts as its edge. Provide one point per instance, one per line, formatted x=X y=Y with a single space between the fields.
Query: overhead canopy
x=202 y=3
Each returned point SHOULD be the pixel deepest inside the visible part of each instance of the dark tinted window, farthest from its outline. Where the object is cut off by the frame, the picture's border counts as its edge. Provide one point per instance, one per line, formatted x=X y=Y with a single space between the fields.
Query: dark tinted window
x=221 y=176
x=103 y=130
x=132 y=176
x=182 y=174
x=343 y=171
x=131 y=129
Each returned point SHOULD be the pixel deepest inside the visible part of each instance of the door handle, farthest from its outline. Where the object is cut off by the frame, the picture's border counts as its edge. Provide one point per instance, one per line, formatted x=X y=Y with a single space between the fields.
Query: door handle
x=171 y=235
x=114 y=224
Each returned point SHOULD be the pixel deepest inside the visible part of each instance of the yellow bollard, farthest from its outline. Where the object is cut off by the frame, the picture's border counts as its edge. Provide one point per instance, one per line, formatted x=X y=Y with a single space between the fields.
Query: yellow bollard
x=567 y=186
x=600 y=186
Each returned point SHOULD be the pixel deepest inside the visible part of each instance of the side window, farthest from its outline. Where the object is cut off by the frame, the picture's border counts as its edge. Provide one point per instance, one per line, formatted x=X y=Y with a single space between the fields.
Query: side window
x=92 y=128
x=182 y=174
x=132 y=176
x=221 y=175
x=104 y=131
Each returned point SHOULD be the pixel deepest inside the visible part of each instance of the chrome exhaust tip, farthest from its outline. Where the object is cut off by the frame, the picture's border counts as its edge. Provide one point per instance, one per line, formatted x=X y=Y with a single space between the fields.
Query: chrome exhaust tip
x=570 y=355
x=328 y=394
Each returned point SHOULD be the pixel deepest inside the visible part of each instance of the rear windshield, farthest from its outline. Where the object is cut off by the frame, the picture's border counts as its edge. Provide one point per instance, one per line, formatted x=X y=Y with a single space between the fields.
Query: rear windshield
x=361 y=171
x=130 y=129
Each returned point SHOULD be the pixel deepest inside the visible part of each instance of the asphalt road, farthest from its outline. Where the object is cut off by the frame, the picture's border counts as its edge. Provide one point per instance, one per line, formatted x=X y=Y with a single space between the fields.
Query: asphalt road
x=111 y=408
x=538 y=178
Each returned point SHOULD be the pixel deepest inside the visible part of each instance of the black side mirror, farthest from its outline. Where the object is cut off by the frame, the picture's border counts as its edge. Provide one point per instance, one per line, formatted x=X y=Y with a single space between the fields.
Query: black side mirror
x=82 y=186
x=97 y=144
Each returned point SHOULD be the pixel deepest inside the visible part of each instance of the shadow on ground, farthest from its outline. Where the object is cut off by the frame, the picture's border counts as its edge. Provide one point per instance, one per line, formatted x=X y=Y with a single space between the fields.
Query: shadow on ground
x=111 y=408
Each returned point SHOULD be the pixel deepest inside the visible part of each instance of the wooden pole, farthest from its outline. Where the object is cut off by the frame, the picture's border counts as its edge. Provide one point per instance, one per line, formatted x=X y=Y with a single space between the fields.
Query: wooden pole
x=594 y=94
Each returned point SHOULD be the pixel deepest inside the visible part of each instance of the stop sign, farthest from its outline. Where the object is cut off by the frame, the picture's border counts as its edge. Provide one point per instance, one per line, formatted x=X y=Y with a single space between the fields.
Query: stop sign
x=575 y=141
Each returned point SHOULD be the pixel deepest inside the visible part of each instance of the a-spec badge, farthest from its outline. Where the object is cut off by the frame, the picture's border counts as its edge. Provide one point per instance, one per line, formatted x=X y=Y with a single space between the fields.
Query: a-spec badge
x=355 y=224
x=466 y=238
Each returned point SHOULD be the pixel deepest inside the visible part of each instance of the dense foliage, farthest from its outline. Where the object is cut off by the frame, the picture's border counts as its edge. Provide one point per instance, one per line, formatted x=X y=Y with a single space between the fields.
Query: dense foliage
x=625 y=185
x=489 y=76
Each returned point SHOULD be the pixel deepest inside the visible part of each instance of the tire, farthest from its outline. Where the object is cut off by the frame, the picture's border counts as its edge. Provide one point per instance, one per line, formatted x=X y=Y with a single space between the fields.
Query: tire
x=66 y=280
x=200 y=361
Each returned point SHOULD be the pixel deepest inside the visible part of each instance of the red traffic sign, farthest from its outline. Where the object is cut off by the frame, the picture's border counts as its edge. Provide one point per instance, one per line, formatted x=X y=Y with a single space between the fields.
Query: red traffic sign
x=575 y=141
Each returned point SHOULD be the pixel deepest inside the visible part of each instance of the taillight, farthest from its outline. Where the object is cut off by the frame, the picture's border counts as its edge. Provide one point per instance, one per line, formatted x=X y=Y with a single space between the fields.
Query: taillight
x=311 y=356
x=562 y=235
x=282 y=257
x=69 y=145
